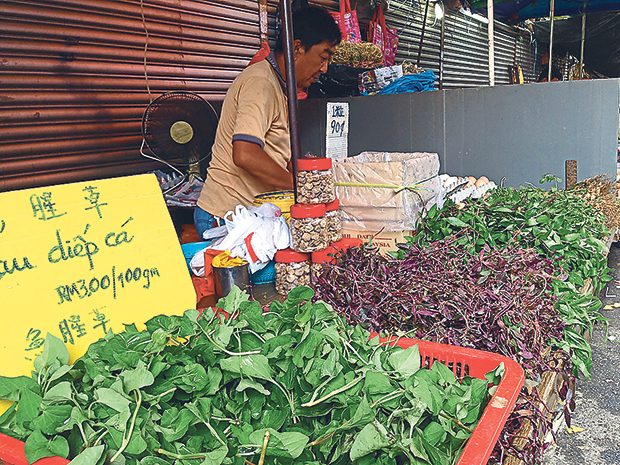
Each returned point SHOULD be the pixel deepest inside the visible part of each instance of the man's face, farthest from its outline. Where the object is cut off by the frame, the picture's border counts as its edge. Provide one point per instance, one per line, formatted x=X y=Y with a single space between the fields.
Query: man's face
x=311 y=63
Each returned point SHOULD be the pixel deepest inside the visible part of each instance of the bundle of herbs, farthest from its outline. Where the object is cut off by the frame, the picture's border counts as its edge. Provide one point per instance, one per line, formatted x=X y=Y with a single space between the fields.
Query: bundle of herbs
x=602 y=193
x=558 y=224
x=291 y=385
x=502 y=300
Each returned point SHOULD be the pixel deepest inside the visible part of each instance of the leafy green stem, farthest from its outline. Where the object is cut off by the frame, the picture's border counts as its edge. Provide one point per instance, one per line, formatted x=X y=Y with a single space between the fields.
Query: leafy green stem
x=288 y=397
x=133 y=424
x=261 y=461
x=182 y=456
x=333 y=393
x=319 y=441
x=316 y=391
x=390 y=396
x=252 y=352
x=214 y=433
x=100 y=438
x=346 y=343
x=467 y=428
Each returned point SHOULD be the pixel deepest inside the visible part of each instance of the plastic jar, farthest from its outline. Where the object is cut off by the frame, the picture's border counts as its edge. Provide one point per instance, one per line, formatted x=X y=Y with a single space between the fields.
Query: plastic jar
x=334 y=224
x=308 y=228
x=292 y=270
x=315 y=181
x=319 y=259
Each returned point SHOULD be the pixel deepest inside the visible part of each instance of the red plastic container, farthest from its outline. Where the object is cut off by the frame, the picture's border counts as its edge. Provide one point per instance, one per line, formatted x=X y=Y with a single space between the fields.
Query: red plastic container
x=462 y=362
x=12 y=453
x=476 y=363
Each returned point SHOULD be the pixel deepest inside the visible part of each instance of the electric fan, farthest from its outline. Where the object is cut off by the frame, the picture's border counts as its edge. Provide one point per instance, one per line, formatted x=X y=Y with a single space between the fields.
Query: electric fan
x=179 y=129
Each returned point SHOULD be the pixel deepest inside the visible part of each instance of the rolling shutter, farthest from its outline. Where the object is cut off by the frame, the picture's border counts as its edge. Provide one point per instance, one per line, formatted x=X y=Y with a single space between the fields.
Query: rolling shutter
x=465 y=58
x=73 y=86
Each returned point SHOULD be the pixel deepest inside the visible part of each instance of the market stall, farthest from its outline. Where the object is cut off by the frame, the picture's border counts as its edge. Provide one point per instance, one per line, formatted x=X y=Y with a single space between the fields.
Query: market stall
x=513 y=271
x=445 y=346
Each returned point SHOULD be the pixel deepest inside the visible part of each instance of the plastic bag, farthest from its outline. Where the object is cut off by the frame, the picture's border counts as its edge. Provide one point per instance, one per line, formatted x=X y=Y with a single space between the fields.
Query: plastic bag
x=347 y=22
x=253 y=234
x=384 y=37
x=339 y=81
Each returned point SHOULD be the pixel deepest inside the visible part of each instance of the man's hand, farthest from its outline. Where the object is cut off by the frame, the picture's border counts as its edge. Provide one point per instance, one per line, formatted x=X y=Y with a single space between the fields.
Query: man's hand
x=253 y=159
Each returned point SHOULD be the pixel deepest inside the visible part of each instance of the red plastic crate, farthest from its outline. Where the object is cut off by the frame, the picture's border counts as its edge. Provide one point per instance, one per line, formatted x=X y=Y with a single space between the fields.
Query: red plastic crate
x=476 y=363
x=462 y=362
x=12 y=453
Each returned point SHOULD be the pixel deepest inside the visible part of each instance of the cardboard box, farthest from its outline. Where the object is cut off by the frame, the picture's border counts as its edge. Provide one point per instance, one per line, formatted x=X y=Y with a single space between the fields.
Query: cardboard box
x=373 y=189
x=385 y=240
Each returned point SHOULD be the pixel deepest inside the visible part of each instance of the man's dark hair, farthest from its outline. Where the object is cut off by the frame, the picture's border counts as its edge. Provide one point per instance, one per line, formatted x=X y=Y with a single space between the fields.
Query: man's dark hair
x=312 y=25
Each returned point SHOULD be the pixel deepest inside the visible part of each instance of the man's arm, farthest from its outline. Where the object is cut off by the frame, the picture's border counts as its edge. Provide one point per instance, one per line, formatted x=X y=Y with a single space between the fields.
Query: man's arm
x=256 y=162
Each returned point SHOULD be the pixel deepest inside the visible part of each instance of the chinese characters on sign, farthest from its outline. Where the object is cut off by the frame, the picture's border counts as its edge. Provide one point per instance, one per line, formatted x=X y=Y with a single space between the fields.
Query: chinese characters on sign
x=337 y=131
x=80 y=260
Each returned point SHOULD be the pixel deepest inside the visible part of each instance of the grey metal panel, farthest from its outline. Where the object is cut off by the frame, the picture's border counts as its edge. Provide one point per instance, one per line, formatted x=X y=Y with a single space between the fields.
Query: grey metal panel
x=529 y=130
x=519 y=132
x=393 y=123
x=407 y=17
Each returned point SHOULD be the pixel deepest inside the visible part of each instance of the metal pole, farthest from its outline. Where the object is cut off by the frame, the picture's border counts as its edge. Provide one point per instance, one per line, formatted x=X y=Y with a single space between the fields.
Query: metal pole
x=441 y=46
x=490 y=16
x=291 y=87
x=583 y=39
x=422 y=35
x=551 y=14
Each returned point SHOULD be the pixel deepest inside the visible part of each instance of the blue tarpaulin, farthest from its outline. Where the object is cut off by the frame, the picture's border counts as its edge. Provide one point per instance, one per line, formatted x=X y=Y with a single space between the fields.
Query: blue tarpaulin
x=418 y=82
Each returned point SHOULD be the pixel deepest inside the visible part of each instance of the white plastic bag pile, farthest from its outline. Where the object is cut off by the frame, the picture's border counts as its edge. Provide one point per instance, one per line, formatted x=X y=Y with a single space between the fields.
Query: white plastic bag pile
x=254 y=234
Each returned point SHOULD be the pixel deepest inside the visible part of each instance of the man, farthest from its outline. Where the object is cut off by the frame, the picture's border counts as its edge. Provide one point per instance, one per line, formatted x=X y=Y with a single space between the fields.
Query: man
x=251 y=153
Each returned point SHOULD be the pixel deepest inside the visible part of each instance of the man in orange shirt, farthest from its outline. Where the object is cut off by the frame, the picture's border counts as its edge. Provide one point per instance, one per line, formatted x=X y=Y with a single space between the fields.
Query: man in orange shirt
x=251 y=153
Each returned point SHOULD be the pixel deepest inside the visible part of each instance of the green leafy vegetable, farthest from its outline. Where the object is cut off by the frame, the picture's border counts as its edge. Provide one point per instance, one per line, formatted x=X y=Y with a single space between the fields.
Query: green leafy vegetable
x=192 y=391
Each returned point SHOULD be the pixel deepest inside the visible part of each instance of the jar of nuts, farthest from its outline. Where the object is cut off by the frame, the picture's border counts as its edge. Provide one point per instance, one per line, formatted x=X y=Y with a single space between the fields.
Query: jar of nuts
x=319 y=259
x=315 y=181
x=292 y=270
x=308 y=228
x=334 y=225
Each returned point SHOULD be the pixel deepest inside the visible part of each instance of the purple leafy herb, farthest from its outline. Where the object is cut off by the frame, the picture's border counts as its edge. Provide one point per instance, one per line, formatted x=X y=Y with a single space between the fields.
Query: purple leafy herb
x=500 y=300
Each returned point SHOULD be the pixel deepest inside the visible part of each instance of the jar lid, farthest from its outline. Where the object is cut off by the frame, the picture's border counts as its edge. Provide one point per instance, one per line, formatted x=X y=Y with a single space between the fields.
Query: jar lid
x=310 y=164
x=290 y=256
x=346 y=242
x=324 y=255
x=300 y=210
x=331 y=206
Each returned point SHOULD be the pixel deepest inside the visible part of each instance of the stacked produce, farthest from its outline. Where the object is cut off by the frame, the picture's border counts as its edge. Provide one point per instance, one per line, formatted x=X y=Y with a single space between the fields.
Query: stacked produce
x=499 y=300
x=315 y=223
x=292 y=385
x=502 y=274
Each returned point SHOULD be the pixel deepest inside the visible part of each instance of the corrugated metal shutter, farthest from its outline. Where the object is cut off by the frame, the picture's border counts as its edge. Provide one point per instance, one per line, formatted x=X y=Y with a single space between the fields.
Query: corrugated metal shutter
x=72 y=80
x=465 y=60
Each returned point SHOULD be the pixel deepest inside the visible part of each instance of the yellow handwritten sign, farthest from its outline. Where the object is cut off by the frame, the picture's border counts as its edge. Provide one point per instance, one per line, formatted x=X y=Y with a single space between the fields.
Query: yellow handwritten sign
x=78 y=260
